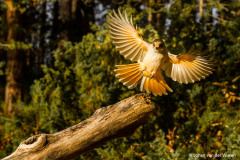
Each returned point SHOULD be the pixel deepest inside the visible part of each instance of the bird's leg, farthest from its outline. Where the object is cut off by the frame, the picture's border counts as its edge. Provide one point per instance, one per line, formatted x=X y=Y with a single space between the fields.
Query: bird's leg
x=142 y=68
x=152 y=75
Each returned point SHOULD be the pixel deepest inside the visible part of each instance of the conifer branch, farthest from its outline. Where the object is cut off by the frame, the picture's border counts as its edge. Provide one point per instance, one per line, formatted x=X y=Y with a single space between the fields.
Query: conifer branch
x=118 y=120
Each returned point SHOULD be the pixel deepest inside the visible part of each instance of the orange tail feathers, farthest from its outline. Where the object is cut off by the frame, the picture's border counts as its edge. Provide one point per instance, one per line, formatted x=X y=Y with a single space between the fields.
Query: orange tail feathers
x=156 y=85
x=129 y=74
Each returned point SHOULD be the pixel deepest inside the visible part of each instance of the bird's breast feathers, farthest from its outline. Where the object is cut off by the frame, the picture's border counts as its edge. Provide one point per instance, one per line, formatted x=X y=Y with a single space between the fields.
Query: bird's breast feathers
x=152 y=61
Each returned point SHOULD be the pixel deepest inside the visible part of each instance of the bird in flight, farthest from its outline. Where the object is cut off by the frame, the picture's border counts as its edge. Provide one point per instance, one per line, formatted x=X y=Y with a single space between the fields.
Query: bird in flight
x=151 y=59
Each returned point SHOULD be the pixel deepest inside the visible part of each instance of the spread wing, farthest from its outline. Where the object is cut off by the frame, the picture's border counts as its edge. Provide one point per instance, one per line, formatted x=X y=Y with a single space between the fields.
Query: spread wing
x=188 y=67
x=126 y=38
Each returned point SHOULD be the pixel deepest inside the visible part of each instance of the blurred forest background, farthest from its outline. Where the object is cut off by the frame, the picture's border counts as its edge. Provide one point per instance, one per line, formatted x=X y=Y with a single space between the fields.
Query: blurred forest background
x=57 y=62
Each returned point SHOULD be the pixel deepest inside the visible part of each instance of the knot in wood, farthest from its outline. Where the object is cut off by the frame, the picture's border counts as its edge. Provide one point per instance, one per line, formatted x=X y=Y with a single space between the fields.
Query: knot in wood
x=33 y=143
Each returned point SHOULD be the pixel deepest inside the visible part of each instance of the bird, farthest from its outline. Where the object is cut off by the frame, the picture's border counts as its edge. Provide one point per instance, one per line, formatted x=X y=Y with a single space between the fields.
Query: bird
x=151 y=59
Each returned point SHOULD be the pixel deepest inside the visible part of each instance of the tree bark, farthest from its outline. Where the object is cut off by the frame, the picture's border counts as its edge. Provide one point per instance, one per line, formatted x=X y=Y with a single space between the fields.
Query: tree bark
x=200 y=8
x=149 y=13
x=118 y=120
x=75 y=16
x=160 y=17
x=13 y=89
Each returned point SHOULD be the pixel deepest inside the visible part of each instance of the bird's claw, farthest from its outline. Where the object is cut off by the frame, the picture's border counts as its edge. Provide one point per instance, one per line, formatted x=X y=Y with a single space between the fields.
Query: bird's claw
x=141 y=73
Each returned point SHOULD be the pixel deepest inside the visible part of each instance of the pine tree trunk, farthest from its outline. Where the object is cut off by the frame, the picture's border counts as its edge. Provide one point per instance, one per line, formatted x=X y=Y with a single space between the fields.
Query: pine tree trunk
x=65 y=18
x=149 y=13
x=160 y=17
x=75 y=16
x=13 y=87
x=200 y=8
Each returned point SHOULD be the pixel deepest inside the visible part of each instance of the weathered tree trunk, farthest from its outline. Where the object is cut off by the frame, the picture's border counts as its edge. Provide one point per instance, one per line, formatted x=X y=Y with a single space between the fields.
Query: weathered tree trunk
x=118 y=120
x=13 y=89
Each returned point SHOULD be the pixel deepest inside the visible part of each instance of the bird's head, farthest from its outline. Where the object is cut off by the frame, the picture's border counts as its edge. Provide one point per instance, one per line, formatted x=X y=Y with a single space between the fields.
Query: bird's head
x=158 y=44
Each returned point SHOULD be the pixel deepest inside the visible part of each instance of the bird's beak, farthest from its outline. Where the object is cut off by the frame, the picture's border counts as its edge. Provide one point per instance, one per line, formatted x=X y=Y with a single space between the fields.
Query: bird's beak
x=157 y=44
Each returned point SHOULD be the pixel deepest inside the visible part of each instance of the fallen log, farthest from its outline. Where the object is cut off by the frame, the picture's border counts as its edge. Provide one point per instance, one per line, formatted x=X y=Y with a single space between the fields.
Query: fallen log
x=118 y=120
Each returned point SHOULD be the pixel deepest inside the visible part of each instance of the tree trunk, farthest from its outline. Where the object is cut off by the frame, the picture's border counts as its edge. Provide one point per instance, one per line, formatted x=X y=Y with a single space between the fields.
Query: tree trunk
x=75 y=16
x=65 y=17
x=149 y=13
x=160 y=17
x=200 y=8
x=118 y=120
x=13 y=89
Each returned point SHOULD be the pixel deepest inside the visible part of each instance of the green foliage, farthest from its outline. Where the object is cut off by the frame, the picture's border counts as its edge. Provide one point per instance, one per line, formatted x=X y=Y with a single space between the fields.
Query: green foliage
x=132 y=148
x=1 y=68
x=15 y=45
x=200 y=118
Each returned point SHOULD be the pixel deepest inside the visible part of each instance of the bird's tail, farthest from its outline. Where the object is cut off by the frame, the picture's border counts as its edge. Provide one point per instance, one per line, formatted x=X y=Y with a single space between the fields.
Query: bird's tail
x=129 y=74
x=156 y=85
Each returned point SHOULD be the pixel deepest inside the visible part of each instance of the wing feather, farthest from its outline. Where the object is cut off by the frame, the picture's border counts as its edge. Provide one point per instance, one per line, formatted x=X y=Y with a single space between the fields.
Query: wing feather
x=190 y=77
x=188 y=67
x=125 y=36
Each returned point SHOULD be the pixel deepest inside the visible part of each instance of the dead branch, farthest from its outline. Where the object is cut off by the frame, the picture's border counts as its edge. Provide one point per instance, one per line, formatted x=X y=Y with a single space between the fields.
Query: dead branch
x=118 y=120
